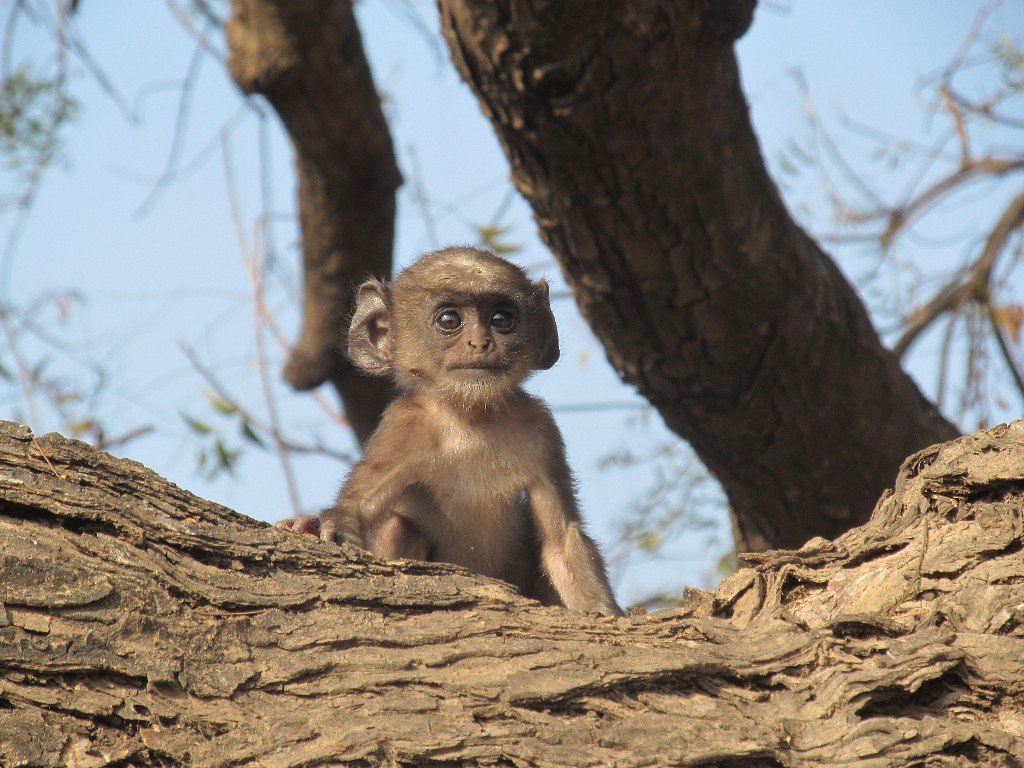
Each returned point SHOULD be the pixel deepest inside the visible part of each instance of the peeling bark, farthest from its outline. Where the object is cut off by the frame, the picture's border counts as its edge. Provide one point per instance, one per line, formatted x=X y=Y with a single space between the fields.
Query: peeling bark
x=307 y=59
x=627 y=131
x=143 y=626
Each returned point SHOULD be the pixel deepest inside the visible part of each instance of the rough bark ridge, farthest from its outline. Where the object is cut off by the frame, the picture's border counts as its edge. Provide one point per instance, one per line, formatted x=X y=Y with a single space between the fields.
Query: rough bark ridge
x=140 y=625
x=307 y=59
x=628 y=132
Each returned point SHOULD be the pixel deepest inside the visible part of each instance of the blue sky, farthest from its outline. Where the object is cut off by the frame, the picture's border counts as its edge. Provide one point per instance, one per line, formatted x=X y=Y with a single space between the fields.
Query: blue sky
x=173 y=274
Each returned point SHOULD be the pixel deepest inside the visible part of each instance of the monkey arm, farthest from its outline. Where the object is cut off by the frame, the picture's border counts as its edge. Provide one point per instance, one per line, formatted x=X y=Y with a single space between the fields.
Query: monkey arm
x=356 y=509
x=389 y=521
x=381 y=486
x=366 y=498
x=568 y=556
x=402 y=530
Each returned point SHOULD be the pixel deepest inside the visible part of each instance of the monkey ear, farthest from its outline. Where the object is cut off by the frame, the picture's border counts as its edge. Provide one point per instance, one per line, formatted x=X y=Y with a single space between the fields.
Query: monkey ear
x=547 y=331
x=369 y=335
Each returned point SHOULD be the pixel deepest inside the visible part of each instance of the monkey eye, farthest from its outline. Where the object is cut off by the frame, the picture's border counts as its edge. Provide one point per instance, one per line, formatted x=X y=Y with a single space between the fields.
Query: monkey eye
x=503 y=320
x=448 y=321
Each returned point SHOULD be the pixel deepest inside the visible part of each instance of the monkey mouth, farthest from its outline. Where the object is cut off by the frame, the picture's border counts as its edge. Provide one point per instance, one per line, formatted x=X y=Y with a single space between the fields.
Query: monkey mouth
x=481 y=365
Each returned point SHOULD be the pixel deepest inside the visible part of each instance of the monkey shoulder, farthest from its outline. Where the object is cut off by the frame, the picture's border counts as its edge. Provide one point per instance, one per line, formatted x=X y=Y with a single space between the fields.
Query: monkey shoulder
x=537 y=417
x=527 y=418
x=408 y=415
x=525 y=436
x=537 y=410
x=403 y=433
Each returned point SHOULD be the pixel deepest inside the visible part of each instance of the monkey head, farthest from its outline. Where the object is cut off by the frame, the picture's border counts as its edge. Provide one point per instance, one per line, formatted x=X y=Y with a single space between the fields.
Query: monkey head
x=460 y=322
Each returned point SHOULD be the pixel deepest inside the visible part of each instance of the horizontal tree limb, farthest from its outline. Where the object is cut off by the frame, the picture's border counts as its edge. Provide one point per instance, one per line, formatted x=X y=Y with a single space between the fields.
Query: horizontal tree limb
x=141 y=625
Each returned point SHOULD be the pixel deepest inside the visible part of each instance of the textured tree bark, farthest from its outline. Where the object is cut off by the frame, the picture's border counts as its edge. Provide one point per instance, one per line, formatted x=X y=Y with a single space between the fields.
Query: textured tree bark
x=306 y=57
x=628 y=132
x=142 y=626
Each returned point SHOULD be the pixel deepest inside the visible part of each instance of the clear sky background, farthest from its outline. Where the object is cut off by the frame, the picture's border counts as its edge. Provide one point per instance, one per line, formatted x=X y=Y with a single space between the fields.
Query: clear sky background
x=158 y=266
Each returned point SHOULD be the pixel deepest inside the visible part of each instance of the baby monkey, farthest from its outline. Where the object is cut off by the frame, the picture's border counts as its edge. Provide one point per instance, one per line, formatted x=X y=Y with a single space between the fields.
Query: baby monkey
x=466 y=467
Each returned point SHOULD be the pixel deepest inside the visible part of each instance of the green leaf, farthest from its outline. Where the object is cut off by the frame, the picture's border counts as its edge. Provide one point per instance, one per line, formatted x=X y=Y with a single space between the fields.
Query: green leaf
x=33 y=109
x=220 y=405
x=250 y=434
x=199 y=427
x=35 y=374
x=81 y=427
x=226 y=458
x=492 y=238
x=651 y=541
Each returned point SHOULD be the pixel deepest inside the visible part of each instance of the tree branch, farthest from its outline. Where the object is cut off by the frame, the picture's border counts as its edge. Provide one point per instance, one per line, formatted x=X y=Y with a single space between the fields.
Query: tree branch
x=307 y=59
x=974 y=285
x=142 y=625
x=628 y=133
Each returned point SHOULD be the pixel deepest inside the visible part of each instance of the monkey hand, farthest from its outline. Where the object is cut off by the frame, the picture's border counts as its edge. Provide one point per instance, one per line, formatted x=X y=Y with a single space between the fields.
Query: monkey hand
x=311 y=525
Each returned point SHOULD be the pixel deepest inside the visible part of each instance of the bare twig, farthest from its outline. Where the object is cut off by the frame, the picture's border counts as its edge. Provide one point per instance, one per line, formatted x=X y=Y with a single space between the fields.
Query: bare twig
x=824 y=139
x=21 y=365
x=180 y=125
x=1004 y=349
x=419 y=192
x=223 y=393
x=252 y=261
x=948 y=299
x=901 y=217
x=973 y=284
x=957 y=116
x=46 y=458
x=198 y=34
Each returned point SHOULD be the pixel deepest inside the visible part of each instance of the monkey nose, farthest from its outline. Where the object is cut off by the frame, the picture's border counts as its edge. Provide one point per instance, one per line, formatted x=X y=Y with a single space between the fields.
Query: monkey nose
x=482 y=343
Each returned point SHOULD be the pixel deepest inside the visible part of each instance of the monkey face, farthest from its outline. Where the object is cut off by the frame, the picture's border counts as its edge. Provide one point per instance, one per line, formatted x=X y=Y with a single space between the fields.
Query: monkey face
x=462 y=323
x=478 y=345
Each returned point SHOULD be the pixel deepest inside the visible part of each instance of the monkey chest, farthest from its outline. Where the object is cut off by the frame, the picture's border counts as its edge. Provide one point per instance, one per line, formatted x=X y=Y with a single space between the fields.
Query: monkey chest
x=483 y=521
x=478 y=469
x=485 y=488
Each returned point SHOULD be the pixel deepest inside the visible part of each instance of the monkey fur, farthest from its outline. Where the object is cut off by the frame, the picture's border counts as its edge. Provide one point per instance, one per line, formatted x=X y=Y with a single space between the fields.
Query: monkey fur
x=465 y=467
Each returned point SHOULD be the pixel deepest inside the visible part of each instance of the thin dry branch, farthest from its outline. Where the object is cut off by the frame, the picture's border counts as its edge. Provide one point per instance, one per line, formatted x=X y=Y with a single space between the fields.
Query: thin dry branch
x=972 y=285
x=900 y=217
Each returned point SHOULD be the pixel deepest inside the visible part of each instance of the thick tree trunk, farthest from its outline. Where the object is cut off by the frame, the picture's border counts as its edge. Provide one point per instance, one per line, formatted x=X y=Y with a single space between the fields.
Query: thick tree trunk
x=142 y=626
x=306 y=57
x=628 y=133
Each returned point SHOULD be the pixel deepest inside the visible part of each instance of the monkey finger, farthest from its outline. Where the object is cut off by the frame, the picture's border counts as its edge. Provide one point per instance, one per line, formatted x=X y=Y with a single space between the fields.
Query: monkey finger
x=328 y=532
x=307 y=524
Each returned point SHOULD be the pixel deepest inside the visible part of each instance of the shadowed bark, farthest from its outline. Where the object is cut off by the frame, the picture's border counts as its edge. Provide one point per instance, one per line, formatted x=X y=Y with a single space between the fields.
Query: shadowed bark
x=143 y=626
x=628 y=132
x=307 y=59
